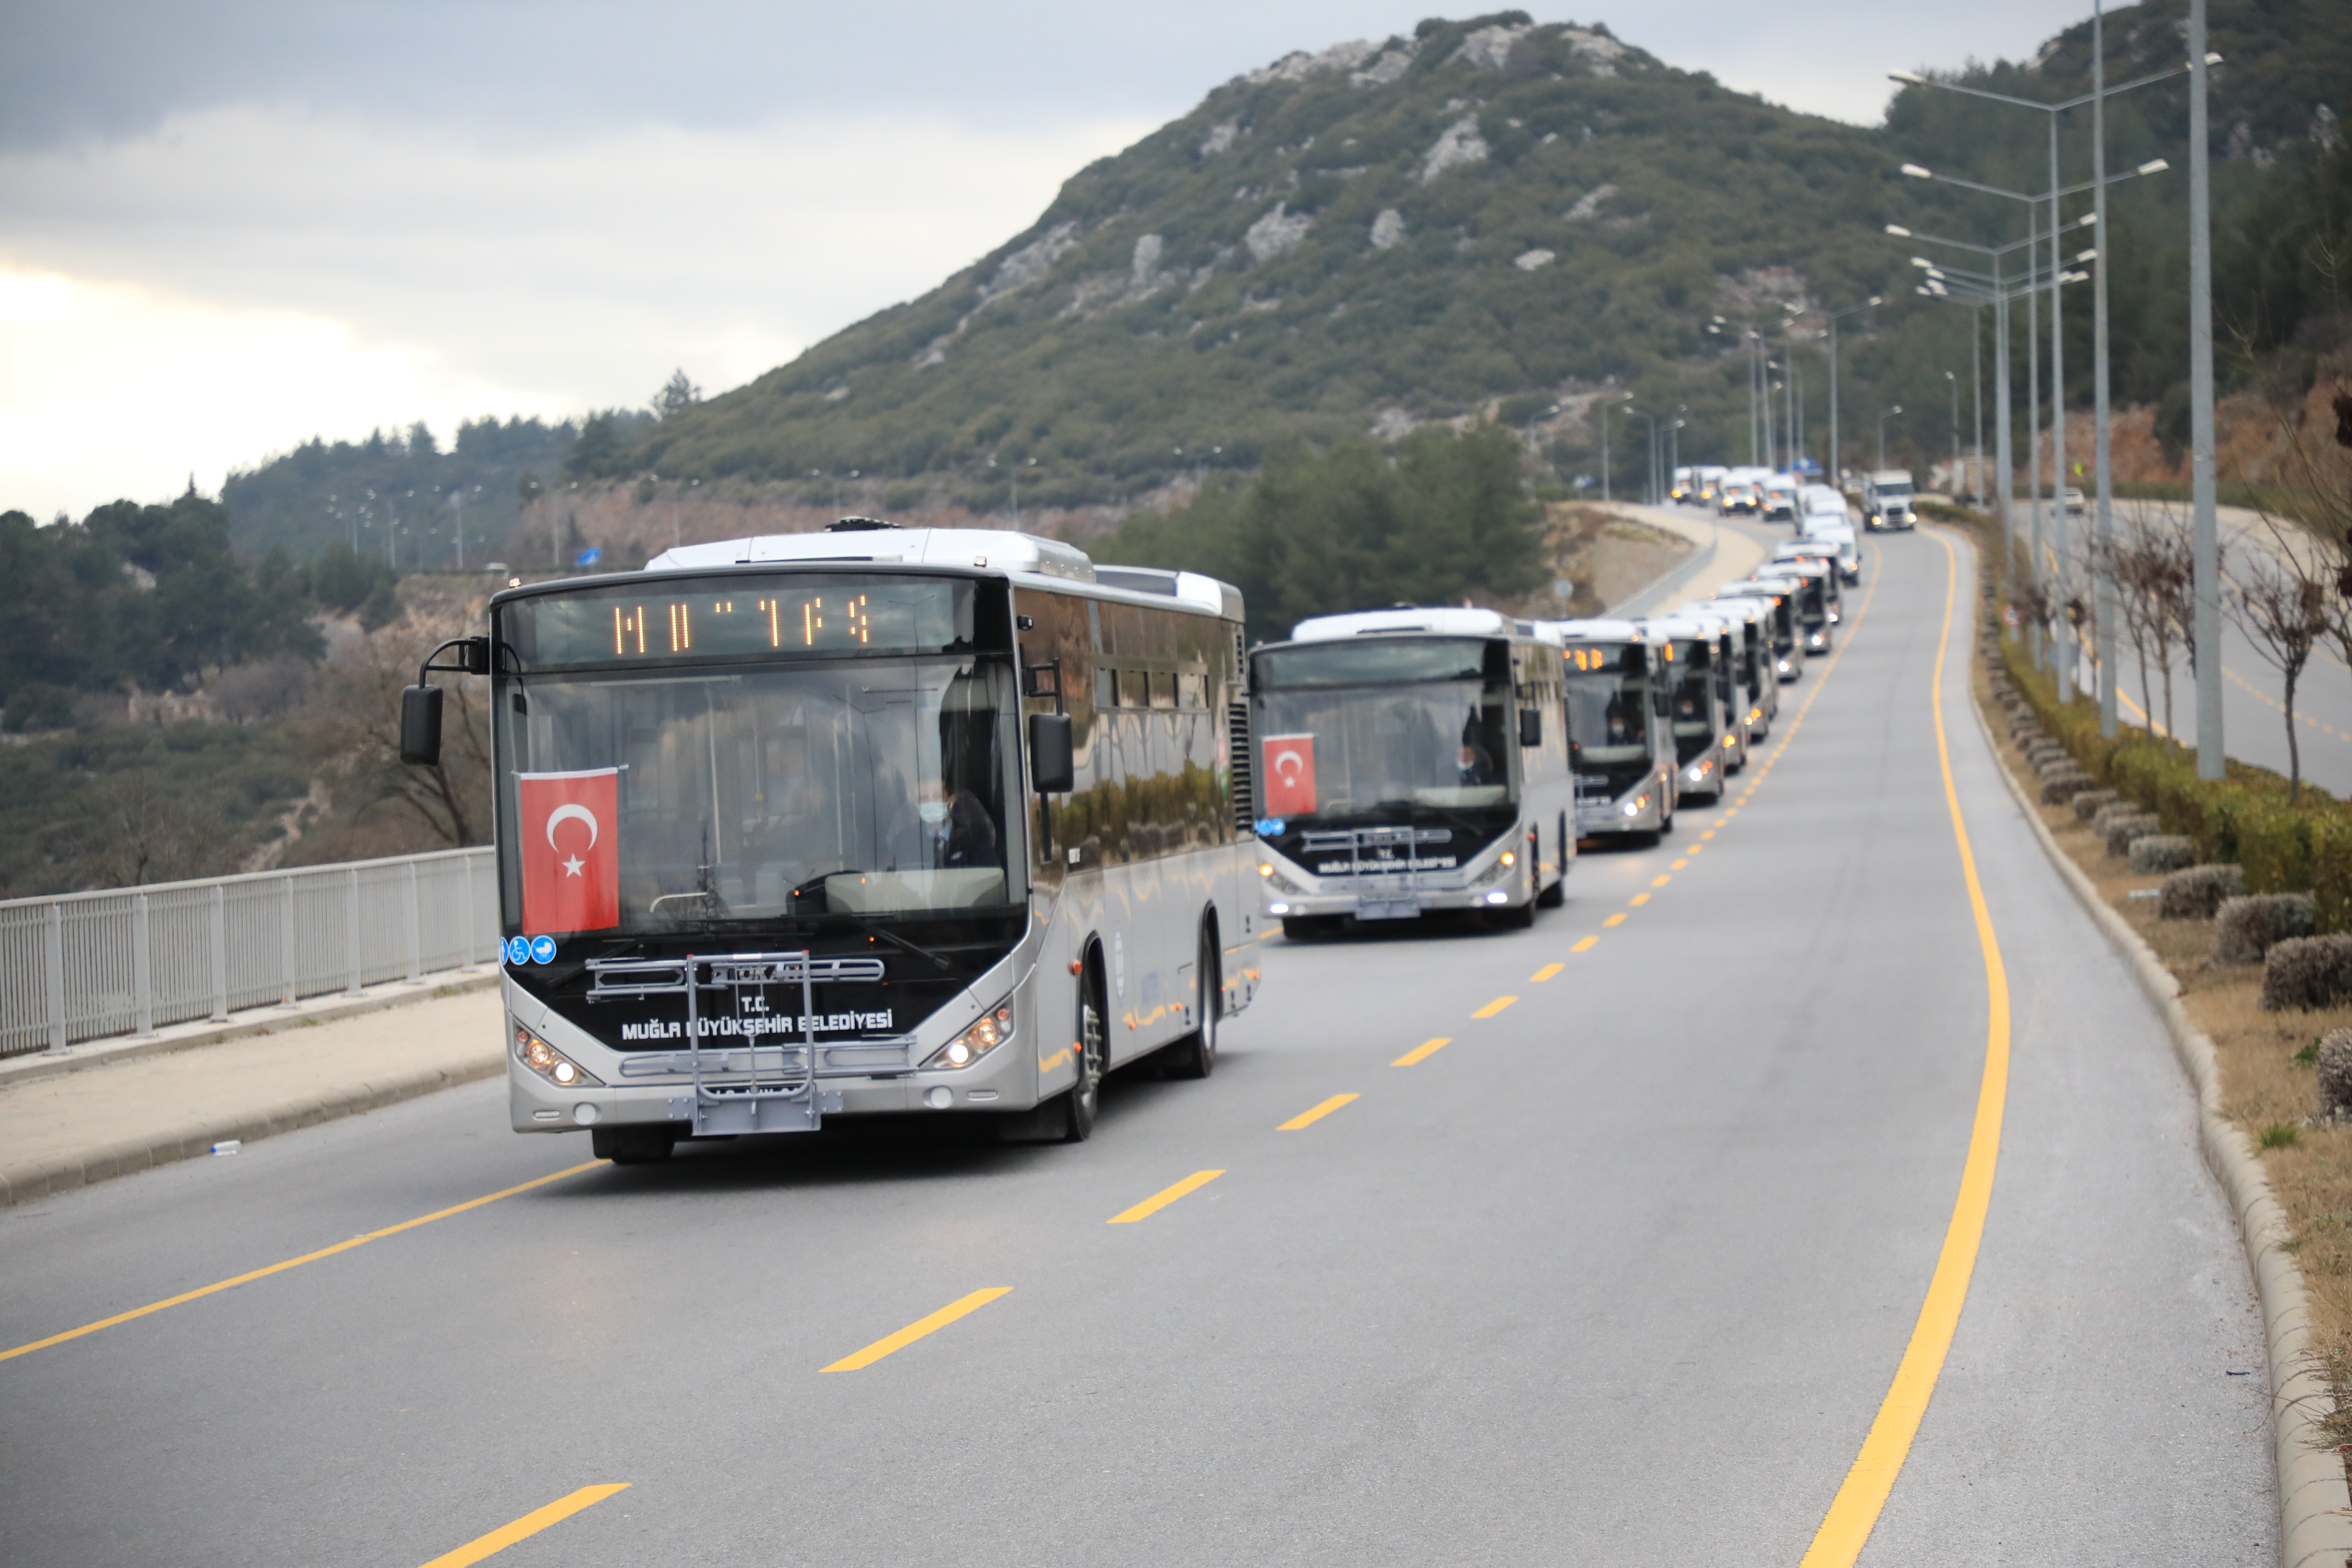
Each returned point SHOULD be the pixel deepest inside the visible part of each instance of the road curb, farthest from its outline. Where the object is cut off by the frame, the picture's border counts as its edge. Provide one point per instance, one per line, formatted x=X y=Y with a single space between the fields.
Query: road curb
x=22 y=1182
x=113 y=1051
x=2315 y=1501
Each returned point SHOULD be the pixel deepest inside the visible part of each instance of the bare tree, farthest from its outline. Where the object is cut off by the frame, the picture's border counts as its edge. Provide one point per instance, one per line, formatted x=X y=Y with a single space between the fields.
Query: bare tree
x=2282 y=604
x=352 y=735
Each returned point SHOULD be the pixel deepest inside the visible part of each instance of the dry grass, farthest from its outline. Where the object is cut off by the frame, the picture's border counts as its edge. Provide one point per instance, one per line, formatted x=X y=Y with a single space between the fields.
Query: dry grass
x=2273 y=1096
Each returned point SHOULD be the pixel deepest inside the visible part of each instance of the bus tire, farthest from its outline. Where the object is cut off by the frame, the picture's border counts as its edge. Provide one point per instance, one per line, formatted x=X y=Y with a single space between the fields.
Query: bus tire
x=1514 y=916
x=638 y=1143
x=1075 y=1107
x=1196 y=1056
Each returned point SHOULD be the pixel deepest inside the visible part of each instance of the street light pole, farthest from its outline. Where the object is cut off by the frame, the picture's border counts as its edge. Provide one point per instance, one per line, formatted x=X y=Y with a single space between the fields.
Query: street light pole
x=2071 y=649
x=2205 y=550
x=1955 y=382
x=2103 y=529
x=1604 y=451
x=1882 y=431
x=1837 y=468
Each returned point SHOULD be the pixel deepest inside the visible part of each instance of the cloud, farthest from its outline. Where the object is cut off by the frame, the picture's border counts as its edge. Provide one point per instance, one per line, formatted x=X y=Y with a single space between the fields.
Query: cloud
x=111 y=391
x=556 y=276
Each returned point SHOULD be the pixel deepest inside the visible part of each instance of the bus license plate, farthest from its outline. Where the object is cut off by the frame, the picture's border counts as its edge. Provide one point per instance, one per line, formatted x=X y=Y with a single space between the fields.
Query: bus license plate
x=1387 y=908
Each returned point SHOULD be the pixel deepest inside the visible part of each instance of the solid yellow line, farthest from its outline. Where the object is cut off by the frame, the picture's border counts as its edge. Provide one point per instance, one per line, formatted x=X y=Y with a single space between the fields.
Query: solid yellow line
x=1854 y=1510
x=1496 y=1006
x=1616 y=919
x=1308 y=1118
x=1422 y=1051
x=198 y=1294
x=1587 y=943
x=1548 y=970
x=921 y=1327
x=1161 y=1199
x=529 y=1524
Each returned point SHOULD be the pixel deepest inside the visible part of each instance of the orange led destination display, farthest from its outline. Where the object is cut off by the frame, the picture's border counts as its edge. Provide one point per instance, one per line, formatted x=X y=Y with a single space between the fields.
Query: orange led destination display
x=747 y=619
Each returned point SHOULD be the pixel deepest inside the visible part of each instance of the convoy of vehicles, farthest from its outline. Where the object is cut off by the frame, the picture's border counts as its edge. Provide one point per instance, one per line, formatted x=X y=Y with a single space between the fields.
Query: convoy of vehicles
x=1412 y=761
x=899 y=820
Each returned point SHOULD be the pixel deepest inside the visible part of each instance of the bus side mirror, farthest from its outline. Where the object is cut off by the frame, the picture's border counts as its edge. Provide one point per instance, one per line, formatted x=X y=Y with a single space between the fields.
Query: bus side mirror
x=1053 y=768
x=1530 y=726
x=420 y=726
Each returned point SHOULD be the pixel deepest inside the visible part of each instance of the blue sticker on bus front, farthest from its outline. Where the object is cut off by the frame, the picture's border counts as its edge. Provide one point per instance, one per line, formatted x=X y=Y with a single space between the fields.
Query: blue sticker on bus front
x=543 y=950
x=1271 y=826
x=517 y=950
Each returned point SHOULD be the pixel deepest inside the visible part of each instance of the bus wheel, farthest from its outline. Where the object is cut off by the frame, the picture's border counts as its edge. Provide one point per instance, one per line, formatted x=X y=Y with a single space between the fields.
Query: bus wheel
x=1196 y=1056
x=643 y=1143
x=1551 y=897
x=1514 y=916
x=1080 y=1101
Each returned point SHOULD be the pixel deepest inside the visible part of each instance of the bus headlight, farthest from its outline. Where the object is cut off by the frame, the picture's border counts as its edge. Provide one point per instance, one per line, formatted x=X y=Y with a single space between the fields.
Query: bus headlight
x=1635 y=808
x=1276 y=879
x=987 y=1032
x=551 y=1064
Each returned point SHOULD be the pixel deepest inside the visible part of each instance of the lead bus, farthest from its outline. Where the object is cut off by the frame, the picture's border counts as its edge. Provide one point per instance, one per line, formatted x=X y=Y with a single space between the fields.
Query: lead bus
x=1412 y=761
x=874 y=820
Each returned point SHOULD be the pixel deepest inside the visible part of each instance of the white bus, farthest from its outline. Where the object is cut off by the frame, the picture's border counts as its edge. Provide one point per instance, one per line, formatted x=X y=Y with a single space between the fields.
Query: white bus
x=866 y=821
x=1619 y=679
x=1412 y=761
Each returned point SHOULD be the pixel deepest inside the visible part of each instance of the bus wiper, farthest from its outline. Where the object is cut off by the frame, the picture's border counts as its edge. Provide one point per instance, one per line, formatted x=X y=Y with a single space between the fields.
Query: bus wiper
x=884 y=932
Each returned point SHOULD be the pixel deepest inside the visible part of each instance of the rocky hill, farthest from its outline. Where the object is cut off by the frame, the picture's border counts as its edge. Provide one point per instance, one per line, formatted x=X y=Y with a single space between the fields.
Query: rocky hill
x=1486 y=215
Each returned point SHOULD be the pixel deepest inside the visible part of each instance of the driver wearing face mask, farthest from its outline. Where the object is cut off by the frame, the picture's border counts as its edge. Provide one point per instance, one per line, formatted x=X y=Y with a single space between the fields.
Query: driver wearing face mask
x=956 y=827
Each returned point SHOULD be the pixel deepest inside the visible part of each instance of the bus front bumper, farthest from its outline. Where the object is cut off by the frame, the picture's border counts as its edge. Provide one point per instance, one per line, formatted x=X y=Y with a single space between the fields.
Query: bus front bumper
x=1642 y=809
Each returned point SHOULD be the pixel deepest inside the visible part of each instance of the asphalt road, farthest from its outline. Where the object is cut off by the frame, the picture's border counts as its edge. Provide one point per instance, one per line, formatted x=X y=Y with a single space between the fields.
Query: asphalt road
x=1621 y=1274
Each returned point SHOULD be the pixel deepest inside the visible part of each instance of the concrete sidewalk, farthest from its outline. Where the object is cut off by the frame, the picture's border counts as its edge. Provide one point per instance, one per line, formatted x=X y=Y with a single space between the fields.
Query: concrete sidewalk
x=65 y=1131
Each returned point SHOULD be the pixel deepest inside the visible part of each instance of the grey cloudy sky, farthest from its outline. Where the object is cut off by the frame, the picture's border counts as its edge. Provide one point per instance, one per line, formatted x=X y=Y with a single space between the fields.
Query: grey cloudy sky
x=226 y=226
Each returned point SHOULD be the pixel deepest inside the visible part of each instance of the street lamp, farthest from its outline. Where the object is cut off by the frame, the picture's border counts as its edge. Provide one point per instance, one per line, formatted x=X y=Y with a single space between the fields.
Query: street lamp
x=2097 y=99
x=1836 y=469
x=2057 y=276
x=1882 y=432
x=1652 y=485
x=1955 y=433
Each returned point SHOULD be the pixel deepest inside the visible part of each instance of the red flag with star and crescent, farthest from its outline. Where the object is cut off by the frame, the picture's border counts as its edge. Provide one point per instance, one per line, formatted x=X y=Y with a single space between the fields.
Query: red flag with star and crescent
x=1289 y=776
x=570 y=850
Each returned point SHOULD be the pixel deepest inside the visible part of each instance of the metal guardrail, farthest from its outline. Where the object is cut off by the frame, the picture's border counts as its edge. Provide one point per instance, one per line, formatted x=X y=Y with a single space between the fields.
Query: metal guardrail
x=129 y=961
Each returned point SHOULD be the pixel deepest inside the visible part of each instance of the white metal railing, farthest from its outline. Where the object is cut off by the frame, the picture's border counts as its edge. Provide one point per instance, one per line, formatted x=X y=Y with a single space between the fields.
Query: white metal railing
x=129 y=960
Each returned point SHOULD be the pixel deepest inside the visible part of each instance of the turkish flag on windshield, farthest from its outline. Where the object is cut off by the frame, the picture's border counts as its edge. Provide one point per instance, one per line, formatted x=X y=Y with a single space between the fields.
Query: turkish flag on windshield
x=1289 y=776
x=571 y=851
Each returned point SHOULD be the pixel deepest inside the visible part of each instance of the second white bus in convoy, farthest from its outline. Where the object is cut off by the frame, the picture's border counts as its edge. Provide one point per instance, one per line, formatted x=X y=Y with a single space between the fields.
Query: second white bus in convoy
x=864 y=821
x=1412 y=761
x=1619 y=714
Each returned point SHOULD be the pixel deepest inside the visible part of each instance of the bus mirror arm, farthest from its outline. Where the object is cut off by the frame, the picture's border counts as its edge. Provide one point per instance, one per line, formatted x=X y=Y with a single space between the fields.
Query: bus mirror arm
x=1053 y=768
x=1530 y=726
x=420 y=705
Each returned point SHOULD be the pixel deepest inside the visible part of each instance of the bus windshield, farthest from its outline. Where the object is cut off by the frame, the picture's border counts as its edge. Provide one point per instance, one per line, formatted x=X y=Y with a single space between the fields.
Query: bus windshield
x=1383 y=750
x=1605 y=714
x=860 y=787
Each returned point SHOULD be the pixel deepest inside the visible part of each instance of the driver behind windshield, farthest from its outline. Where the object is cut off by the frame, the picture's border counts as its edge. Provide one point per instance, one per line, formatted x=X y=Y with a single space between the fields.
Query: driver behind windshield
x=957 y=828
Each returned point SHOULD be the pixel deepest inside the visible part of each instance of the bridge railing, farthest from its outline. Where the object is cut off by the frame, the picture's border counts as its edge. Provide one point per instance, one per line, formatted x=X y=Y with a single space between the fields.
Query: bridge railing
x=131 y=961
